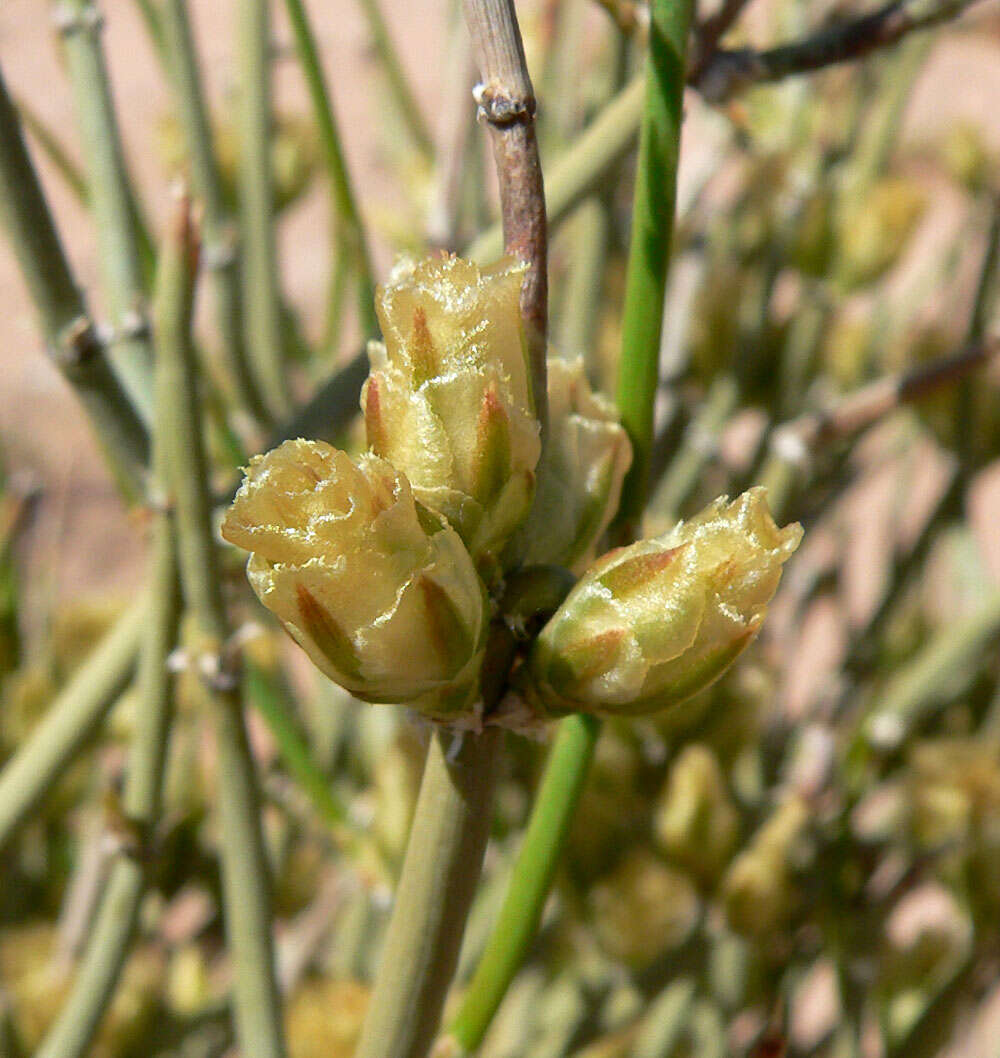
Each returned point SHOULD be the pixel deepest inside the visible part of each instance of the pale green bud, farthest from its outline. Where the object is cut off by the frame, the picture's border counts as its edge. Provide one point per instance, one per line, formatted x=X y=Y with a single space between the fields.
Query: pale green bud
x=757 y=891
x=580 y=478
x=378 y=591
x=696 y=822
x=650 y=624
x=643 y=909
x=449 y=397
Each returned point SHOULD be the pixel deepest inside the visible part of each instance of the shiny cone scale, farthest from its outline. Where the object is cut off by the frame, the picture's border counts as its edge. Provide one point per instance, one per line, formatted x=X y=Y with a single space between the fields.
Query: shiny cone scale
x=651 y=624
x=449 y=400
x=379 y=591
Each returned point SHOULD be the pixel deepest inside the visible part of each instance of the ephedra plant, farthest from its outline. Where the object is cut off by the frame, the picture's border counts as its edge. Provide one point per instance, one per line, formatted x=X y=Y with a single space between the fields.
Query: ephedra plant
x=533 y=609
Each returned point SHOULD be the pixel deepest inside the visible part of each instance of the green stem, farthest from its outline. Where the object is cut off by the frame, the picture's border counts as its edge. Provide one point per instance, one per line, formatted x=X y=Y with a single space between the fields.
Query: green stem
x=69 y=331
x=923 y=685
x=584 y=285
x=55 y=152
x=115 y=214
x=245 y=872
x=350 y=226
x=218 y=227
x=152 y=19
x=402 y=95
x=649 y=250
x=266 y=696
x=79 y=1018
x=261 y=298
x=696 y=449
x=70 y=720
x=443 y=861
x=332 y=407
x=578 y=171
x=521 y=913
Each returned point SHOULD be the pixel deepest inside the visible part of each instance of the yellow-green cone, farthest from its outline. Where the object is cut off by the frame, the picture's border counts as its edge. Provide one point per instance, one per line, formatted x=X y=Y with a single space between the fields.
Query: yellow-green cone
x=380 y=592
x=449 y=397
x=651 y=624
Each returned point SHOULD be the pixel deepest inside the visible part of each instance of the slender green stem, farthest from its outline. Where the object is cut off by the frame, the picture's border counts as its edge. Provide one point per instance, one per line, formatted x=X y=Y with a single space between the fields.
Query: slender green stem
x=115 y=214
x=350 y=227
x=267 y=698
x=332 y=407
x=579 y=170
x=577 y=328
x=922 y=685
x=68 y=330
x=666 y=1019
x=219 y=229
x=649 y=250
x=152 y=19
x=402 y=94
x=261 y=297
x=71 y=719
x=245 y=872
x=79 y=1018
x=700 y=439
x=521 y=913
x=443 y=861
x=56 y=153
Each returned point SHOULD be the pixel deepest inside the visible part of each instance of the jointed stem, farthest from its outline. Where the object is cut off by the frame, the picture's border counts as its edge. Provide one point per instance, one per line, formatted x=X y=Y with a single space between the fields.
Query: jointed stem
x=69 y=331
x=220 y=236
x=507 y=101
x=245 y=872
x=108 y=945
x=111 y=198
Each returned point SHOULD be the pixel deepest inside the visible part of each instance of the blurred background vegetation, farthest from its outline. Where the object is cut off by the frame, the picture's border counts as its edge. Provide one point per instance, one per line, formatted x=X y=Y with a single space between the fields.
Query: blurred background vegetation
x=807 y=860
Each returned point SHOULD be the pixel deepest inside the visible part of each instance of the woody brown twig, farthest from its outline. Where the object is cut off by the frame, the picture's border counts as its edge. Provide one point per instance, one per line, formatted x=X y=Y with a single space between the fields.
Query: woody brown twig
x=506 y=102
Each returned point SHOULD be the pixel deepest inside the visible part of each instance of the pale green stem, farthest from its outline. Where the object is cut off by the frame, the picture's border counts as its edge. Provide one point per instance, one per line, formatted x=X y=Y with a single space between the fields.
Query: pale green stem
x=69 y=332
x=443 y=861
x=922 y=685
x=55 y=152
x=220 y=237
x=71 y=718
x=402 y=94
x=245 y=871
x=666 y=1020
x=696 y=449
x=118 y=239
x=261 y=298
x=576 y=333
x=350 y=228
x=107 y=947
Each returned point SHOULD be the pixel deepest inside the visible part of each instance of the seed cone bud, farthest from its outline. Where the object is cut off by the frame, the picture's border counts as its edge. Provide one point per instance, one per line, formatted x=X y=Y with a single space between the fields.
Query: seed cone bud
x=696 y=822
x=650 y=624
x=449 y=397
x=580 y=478
x=378 y=591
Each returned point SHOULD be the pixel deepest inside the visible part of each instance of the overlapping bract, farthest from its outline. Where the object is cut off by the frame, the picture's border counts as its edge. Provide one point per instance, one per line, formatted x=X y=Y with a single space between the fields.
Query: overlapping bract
x=380 y=592
x=650 y=624
x=449 y=397
x=580 y=477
